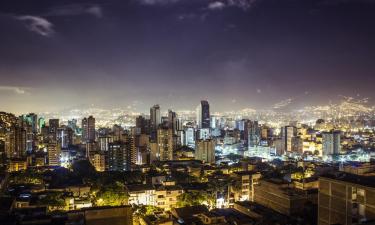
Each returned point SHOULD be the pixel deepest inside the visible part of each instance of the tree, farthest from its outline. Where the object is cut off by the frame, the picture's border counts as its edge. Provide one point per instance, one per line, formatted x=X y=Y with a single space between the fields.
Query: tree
x=146 y=210
x=112 y=195
x=84 y=169
x=54 y=199
x=182 y=177
x=234 y=157
x=192 y=198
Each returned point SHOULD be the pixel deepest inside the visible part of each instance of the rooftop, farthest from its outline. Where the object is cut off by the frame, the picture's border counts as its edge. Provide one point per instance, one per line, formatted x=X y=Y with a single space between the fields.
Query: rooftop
x=368 y=181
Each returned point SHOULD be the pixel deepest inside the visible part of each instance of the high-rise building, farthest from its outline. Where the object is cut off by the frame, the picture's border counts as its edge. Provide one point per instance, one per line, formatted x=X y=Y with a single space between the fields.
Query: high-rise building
x=104 y=142
x=205 y=150
x=121 y=155
x=190 y=137
x=73 y=125
x=64 y=136
x=203 y=114
x=297 y=144
x=117 y=133
x=142 y=125
x=88 y=129
x=15 y=142
x=165 y=144
x=54 y=151
x=172 y=121
x=253 y=132
x=41 y=124
x=155 y=118
x=288 y=132
x=331 y=143
x=53 y=124
x=32 y=120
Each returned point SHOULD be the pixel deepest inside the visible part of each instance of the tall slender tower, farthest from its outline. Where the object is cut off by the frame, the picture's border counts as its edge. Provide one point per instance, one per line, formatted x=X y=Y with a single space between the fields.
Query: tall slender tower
x=88 y=129
x=203 y=114
x=155 y=118
x=155 y=121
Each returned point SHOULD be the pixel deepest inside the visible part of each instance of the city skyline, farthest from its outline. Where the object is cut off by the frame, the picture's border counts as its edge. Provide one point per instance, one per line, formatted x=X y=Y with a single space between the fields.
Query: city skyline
x=237 y=54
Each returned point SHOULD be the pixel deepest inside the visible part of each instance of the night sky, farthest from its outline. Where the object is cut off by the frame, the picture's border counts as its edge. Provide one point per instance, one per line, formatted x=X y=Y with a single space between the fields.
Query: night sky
x=235 y=53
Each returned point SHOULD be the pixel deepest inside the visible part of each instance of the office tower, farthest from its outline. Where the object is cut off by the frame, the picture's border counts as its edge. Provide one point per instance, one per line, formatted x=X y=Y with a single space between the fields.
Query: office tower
x=331 y=143
x=253 y=132
x=32 y=120
x=288 y=132
x=121 y=155
x=88 y=129
x=165 y=144
x=203 y=114
x=205 y=150
x=54 y=151
x=155 y=118
x=64 y=136
x=53 y=124
x=172 y=121
x=346 y=199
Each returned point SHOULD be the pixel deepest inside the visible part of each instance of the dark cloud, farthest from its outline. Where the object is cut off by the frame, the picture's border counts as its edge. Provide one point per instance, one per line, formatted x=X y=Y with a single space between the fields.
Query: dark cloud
x=116 y=52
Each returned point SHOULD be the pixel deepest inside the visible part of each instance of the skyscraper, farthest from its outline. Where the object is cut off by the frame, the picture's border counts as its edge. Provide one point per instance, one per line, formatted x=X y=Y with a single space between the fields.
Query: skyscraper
x=32 y=120
x=172 y=121
x=53 y=125
x=155 y=121
x=203 y=114
x=253 y=132
x=155 y=118
x=331 y=142
x=88 y=129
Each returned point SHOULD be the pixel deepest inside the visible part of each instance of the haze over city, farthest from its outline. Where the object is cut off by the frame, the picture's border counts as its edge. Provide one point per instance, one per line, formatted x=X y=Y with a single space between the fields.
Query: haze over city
x=235 y=53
